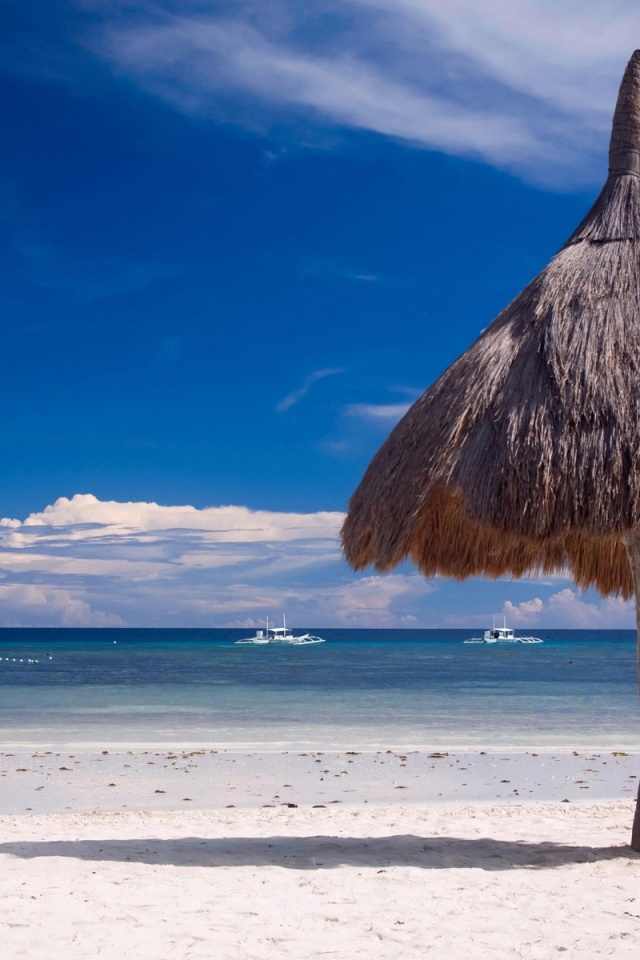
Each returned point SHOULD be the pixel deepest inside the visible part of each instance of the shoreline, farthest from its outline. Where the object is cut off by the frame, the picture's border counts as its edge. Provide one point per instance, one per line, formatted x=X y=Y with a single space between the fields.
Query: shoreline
x=272 y=746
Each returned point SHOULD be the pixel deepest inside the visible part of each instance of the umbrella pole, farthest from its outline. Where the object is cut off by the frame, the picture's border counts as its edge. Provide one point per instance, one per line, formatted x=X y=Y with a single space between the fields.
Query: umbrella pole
x=632 y=544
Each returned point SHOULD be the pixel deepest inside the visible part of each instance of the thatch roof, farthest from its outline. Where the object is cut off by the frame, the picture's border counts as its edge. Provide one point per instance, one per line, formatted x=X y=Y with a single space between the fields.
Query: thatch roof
x=525 y=454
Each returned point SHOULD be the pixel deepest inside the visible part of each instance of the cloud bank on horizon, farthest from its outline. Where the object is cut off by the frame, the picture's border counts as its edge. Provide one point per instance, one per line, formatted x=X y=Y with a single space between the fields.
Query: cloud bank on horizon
x=526 y=87
x=242 y=199
x=84 y=562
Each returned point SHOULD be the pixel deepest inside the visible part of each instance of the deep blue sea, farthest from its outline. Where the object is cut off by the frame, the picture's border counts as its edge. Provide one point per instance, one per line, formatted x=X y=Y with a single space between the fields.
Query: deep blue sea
x=367 y=688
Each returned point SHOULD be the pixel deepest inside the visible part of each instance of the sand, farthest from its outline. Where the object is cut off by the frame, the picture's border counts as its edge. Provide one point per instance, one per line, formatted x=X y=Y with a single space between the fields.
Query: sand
x=344 y=866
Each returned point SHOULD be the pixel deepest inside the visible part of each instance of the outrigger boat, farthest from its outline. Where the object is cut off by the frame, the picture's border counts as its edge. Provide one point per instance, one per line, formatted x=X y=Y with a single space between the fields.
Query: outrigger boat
x=503 y=634
x=281 y=635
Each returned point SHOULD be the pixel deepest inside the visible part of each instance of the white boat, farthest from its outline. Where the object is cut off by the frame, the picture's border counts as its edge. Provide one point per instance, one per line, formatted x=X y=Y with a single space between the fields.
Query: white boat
x=281 y=635
x=503 y=634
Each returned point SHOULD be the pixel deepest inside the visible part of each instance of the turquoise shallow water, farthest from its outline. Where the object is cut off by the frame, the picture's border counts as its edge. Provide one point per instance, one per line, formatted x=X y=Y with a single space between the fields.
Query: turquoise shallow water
x=368 y=688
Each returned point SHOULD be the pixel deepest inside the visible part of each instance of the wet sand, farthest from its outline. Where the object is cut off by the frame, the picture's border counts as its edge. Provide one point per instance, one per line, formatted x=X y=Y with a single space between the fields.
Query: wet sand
x=58 y=781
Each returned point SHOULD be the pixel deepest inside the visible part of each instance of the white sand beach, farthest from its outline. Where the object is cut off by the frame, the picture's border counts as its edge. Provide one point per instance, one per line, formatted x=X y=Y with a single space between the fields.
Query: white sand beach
x=334 y=861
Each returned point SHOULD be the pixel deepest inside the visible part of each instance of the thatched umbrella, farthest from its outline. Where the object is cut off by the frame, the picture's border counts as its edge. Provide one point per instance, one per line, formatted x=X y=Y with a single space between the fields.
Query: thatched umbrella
x=524 y=456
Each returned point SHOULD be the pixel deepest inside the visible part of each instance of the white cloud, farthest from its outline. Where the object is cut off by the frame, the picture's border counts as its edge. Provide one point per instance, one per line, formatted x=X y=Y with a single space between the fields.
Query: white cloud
x=28 y=605
x=525 y=612
x=84 y=561
x=566 y=609
x=374 y=601
x=296 y=396
x=189 y=60
x=517 y=41
x=378 y=413
x=567 y=55
x=229 y=524
x=20 y=561
x=375 y=597
x=527 y=86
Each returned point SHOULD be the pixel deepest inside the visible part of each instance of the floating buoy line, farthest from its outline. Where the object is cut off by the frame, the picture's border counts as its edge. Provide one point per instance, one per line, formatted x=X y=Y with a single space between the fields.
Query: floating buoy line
x=25 y=660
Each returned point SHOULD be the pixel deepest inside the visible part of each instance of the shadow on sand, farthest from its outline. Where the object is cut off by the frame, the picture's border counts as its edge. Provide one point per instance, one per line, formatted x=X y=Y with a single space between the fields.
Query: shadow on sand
x=311 y=853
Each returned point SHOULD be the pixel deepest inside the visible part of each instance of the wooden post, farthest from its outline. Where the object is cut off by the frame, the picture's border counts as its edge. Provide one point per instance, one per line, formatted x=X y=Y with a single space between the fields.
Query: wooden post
x=632 y=544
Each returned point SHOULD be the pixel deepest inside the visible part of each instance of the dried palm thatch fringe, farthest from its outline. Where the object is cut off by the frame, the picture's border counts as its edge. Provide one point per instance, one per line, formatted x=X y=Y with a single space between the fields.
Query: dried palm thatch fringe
x=525 y=454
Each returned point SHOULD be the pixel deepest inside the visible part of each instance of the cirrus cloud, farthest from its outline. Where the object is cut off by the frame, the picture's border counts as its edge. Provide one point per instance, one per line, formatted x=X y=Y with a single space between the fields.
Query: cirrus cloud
x=528 y=87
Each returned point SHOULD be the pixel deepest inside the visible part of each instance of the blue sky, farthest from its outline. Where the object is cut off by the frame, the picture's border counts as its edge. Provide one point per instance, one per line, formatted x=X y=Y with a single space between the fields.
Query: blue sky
x=237 y=240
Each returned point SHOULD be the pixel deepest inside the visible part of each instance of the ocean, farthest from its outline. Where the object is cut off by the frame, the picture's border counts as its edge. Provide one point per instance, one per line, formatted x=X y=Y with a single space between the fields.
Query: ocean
x=365 y=688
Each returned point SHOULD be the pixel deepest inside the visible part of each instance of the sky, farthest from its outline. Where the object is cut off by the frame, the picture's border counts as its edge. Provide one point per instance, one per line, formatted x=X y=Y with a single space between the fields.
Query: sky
x=237 y=241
